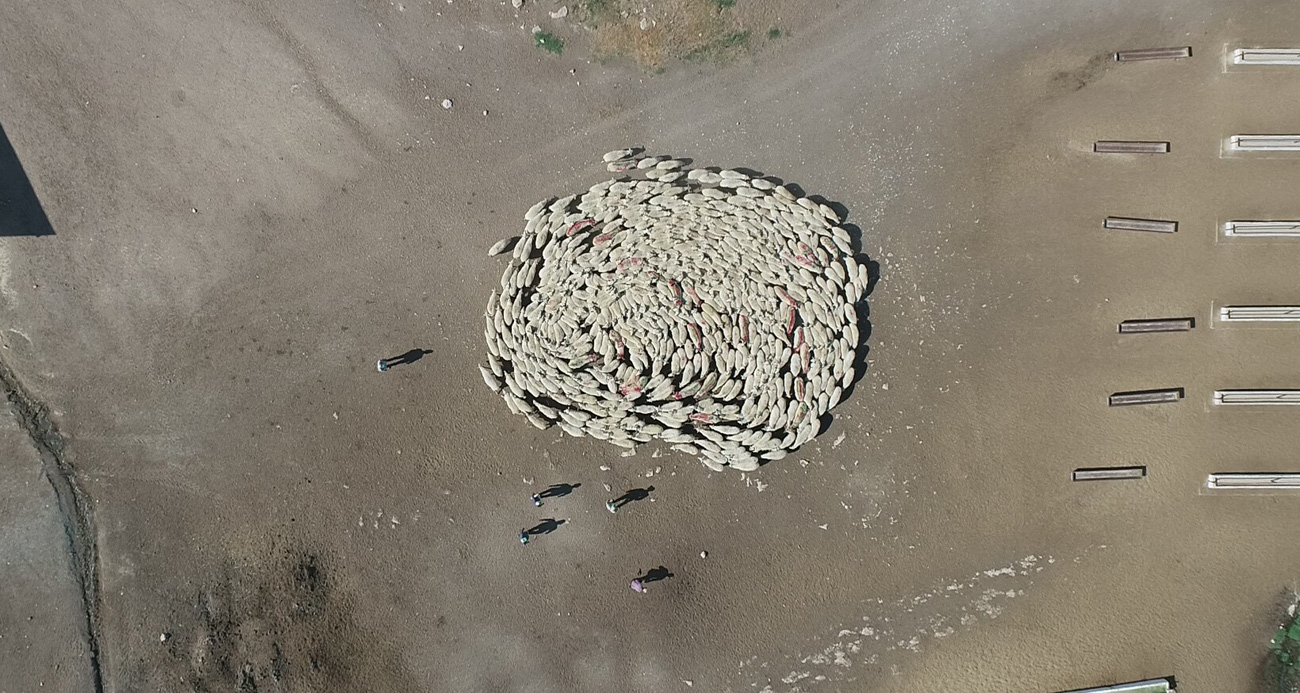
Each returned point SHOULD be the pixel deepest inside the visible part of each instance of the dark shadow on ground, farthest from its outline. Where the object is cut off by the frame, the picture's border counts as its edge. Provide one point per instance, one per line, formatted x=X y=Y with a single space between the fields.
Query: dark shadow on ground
x=635 y=494
x=545 y=526
x=409 y=357
x=558 y=490
x=21 y=213
x=655 y=575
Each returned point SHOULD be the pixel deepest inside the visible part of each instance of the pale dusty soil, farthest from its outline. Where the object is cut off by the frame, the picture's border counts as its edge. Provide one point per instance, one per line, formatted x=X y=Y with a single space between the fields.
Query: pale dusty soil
x=252 y=201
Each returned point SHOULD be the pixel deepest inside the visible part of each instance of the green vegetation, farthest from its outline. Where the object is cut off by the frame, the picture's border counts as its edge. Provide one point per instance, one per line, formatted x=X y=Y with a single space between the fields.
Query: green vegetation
x=690 y=30
x=596 y=12
x=1285 y=646
x=720 y=49
x=774 y=33
x=549 y=42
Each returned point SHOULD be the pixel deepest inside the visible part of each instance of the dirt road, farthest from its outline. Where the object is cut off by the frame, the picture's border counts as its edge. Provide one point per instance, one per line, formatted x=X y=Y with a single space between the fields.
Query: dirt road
x=251 y=202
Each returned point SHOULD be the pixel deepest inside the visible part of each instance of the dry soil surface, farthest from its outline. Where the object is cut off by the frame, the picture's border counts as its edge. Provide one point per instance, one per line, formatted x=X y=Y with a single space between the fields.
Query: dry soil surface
x=252 y=201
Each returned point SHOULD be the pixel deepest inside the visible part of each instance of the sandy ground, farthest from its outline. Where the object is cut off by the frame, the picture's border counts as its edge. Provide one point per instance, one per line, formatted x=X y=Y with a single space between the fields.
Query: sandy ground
x=252 y=201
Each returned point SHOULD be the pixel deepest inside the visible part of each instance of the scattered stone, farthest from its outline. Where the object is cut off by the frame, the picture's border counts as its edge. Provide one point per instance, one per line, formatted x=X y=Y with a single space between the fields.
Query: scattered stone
x=517 y=3
x=446 y=103
x=560 y=13
x=717 y=316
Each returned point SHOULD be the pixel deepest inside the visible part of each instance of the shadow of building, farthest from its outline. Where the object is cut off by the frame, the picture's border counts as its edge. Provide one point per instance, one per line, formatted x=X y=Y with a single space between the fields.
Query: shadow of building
x=21 y=213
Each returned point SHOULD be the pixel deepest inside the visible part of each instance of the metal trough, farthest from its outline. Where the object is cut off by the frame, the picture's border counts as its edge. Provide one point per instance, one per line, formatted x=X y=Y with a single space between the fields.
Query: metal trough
x=1262 y=229
x=1130 y=147
x=1124 y=399
x=1266 y=56
x=1108 y=473
x=1130 y=224
x=1259 y=314
x=1154 y=54
x=1264 y=143
x=1256 y=397
x=1157 y=325
x=1164 y=685
x=1253 y=480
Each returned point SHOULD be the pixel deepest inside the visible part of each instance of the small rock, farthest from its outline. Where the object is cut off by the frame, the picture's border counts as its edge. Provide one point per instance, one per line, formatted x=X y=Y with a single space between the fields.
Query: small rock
x=537 y=29
x=645 y=24
x=446 y=103
x=704 y=554
x=604 y=468
x=517 y=3
x=560 y=13
x=164 y=637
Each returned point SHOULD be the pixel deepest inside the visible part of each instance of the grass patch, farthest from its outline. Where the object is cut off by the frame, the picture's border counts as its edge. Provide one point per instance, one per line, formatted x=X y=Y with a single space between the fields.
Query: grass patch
x=774 y=33
x=549 y=42
x=1285 y=646
x=721 y=49
x=597 y=12
x=690 y=30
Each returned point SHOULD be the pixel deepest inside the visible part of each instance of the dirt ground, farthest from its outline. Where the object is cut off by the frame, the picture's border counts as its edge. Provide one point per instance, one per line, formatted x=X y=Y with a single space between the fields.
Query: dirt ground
x=252 y=201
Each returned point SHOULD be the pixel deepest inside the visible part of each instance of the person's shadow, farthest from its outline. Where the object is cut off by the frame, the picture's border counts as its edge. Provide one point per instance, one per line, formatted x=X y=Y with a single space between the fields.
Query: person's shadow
x=558 y=490
x=409 y=357
x=635 y=494
x=545 y=526
x=655 y=575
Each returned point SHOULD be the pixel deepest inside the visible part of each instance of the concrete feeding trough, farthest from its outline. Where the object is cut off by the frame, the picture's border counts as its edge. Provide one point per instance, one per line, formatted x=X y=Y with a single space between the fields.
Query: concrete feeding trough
x=1264 y=143
x=1130 y=224
x=1262 y=229
x=1130 y=147
x=1254 y=480
x=1256 y=397
x=1108 y=473
x=1125 y=399
x=1157 y=325
x=1154 y=54
x=1259 y=314
x=1266 y=56
x=1161 y=685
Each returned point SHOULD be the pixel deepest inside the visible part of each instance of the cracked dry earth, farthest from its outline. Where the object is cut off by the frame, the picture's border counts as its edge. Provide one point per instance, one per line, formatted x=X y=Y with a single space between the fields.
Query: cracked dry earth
x=205 y=485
